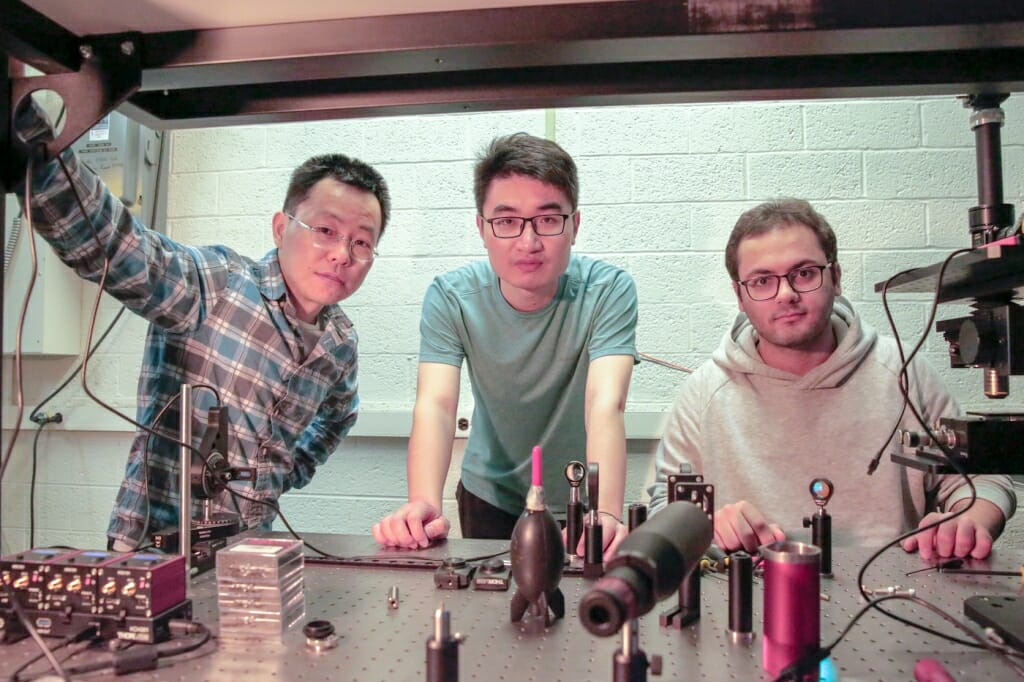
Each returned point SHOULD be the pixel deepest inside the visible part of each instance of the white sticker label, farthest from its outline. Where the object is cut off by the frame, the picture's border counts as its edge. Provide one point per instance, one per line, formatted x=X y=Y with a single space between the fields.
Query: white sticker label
x=101 y=131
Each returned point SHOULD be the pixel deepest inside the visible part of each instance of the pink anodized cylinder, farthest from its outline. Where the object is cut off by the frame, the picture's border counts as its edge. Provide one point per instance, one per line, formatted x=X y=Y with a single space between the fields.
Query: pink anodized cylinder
x=792 y=606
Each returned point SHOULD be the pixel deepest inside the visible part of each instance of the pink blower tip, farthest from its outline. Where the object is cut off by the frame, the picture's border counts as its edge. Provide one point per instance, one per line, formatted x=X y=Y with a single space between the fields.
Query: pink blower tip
x=538 y=466
x=931 y=670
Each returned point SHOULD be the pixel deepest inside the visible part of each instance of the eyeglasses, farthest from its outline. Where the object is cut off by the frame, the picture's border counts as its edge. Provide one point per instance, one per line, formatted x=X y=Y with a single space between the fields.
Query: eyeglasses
x=326 y=237
x=801 y=279
x=511 y=226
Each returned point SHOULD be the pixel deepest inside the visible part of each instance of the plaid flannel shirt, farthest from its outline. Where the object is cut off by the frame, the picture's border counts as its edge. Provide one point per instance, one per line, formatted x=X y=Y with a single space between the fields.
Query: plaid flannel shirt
x=216 y=318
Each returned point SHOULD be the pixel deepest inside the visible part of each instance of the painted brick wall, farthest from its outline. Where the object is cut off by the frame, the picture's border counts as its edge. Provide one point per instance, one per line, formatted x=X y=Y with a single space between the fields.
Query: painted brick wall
x=661 y=188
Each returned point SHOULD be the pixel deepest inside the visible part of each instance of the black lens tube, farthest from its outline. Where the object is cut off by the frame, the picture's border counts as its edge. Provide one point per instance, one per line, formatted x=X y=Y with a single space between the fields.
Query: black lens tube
x=741 y=597
x=648 y=566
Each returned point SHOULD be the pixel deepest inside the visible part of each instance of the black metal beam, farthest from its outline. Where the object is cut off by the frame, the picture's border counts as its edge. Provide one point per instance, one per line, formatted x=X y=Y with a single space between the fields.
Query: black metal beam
x=555 y=36
x=34 y=39
x=109 y=73
x=992 y=271
x=622 y=52
x=950 y=72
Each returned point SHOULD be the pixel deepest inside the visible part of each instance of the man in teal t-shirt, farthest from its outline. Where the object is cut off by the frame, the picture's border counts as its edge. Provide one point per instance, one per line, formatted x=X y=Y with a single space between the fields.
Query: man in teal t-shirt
x=549 y=339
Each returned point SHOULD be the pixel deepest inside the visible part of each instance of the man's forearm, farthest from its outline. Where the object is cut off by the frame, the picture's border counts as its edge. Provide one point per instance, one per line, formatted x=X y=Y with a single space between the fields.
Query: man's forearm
x=430 y=455
x=433 y=432
x=606 y=445
x=427 y=473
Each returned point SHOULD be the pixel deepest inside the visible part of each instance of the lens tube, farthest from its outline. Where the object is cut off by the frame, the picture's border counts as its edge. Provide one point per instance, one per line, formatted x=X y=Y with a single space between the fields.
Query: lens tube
x=792 y=606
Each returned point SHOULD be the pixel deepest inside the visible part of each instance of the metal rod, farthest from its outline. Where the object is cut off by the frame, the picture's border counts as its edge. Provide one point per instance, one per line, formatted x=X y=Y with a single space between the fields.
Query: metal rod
x=630 y=637
x=185 y=482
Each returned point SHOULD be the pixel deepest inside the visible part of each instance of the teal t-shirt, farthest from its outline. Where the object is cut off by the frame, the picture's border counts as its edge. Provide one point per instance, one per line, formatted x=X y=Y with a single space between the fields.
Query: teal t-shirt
x=528 y=370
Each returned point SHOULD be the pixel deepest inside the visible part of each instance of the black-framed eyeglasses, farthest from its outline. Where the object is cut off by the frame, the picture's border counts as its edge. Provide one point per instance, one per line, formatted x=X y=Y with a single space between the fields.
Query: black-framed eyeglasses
x=802 y=280
x=511 y=226
x=326 y=237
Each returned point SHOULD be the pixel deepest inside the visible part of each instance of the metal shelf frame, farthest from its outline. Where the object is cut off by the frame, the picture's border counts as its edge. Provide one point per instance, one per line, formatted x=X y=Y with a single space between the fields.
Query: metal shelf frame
x=624 y=52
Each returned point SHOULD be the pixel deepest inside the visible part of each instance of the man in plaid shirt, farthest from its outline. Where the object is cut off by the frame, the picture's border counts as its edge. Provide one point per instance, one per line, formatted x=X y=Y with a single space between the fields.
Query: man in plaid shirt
x=268 y=335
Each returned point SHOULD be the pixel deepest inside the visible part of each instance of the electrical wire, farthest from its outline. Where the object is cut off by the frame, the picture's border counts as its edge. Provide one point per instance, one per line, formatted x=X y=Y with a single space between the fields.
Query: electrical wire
x=26 y=623
x=84 y=366
x=19 y=393
x=162 y=651
x=145 y=464
x=795 y=671
x=86 y=633
x=32 y=488
x=19 y=386
x=145 y=451
x=183 y=648
x=91 y=329
x=18 y=369
x=903 y=377
x=277 y=509
x=364 y=558
x=41 y=421
x=96 y=303
x=34 y=415
x=33 y=273
x=92 y=320
x=908 y=403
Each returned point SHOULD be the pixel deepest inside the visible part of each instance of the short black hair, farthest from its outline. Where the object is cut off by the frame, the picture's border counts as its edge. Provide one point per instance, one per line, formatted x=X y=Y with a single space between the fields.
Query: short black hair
x=524 y=154
x=343 y=169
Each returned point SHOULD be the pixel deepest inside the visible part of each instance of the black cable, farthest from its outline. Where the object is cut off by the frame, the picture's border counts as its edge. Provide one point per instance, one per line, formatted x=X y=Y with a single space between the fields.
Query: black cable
x=60 y=118
x=19 y=393
x=904 y=383
x=95 y=308
x=86 y=633
x=26 y=623
x=18 y=365
x=485 y=557
x=91 y=327
x=177 y=648
x=34 y=415
x=804 y=665
x=96 y=304
x=85 y=361
x=335 y=557
x=145 y=451
x=277 y=510
x=92 y=322
x=41 y=421
x=155 y=651
x=32 y=488
x=145 y=464
x=873 y=465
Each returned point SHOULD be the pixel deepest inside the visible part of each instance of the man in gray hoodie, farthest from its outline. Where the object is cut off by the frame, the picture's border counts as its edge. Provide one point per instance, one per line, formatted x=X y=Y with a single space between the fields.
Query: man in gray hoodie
x=802 y=387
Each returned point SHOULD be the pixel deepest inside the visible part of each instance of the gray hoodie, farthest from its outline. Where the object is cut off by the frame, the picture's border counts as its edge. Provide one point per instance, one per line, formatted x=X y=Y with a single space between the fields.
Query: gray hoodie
x=761 y=434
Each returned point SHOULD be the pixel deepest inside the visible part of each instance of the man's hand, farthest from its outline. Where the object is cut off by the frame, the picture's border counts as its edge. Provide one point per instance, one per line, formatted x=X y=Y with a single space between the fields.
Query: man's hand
x=413 y=526
x=33 y=131
x=612 y=533
x=970 y=534
x=741 y=526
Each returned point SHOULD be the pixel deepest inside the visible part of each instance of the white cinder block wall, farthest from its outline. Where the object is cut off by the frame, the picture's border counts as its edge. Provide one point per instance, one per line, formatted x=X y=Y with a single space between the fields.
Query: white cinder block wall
x=661 y=188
